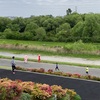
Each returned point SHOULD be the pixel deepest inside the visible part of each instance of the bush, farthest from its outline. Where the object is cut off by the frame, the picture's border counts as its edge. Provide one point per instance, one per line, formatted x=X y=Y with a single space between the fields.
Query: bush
x=76 y=97
x=25 y=96
x=60 y=93
x=50 y=71
x=9 y=89
x=18 y=90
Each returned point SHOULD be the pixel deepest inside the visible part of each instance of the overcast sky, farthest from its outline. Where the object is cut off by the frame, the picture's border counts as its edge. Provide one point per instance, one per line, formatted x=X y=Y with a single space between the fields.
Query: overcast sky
x=26 y=8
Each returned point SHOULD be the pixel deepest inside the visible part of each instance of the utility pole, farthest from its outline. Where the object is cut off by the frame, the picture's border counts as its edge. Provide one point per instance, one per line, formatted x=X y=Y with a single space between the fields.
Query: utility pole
x=75 y=8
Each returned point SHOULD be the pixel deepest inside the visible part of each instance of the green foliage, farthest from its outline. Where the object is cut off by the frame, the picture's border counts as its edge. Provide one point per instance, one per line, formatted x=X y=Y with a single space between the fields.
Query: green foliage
x=80 y=47
x=40 y=34
x=67 y=97
x=69 y=28
x=4 y=22
x=25 y=96
x=3 y=93
x=76 y=97
x=31 y=27
x=68 y=11
x=63 y=32
x=77 y=30
x=76 y=49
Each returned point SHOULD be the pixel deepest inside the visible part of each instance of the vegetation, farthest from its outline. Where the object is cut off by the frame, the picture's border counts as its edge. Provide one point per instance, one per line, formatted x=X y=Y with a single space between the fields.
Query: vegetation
x=76 y=35
x=27 y=90
x=66 y=74
x=69 y=28
x=76 y=49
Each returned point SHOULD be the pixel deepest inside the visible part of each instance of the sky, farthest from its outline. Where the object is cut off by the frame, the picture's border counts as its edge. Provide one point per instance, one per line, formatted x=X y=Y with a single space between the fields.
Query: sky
x=26 y=8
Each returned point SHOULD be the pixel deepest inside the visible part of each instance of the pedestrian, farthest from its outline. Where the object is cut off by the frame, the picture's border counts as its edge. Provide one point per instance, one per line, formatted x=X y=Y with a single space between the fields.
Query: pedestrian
x=39 y=58
x=13 y=65
x=56 y=67
x=87 y=70
x=25 y=58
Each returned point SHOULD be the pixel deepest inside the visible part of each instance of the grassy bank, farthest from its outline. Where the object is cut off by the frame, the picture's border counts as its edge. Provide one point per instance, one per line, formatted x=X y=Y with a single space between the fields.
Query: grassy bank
x=77 y=49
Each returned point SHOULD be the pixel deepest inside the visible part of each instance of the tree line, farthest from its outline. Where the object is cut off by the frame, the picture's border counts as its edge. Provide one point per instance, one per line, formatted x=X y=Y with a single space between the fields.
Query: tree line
x=68 y=28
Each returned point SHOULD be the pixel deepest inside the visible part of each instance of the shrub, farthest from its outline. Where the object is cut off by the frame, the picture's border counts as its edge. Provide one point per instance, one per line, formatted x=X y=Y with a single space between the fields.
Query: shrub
x=25 y=96
x=18 y=90
x=69 y=74
x=41 y=70
x=30 y=69
x=41 y=92
x=76 y=97
x=50 y=71
x=27 y=87
x=9 y=89
x=72 y=93
x=58 y=91
x=34 y=70
x=58 y=73
x=76 y=75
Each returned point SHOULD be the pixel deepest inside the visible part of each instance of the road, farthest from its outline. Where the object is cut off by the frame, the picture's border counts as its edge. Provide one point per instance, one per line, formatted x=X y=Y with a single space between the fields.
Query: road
x=46 y=66
x=88 y=90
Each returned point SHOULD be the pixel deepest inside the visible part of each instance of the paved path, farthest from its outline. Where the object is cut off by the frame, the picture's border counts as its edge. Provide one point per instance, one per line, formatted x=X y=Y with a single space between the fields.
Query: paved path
x=64 y=68
x=86 y=90
x=54 y=58
x=46 y=66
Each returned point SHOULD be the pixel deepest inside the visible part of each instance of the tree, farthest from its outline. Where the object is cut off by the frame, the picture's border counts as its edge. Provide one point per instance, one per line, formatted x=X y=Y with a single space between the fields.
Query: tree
x=8 y=33
x=19 y=22
x=91 y=26
x=73 y=19
x=68 y=11
x=77 y=31
x=40 y=34
x=31 y=27
x=63 y=32
x=4 y=22
x=14 y=27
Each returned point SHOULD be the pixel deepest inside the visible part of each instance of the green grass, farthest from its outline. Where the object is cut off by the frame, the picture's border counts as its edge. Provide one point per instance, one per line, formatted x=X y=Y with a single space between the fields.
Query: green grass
x=47 y=48
x=5 y=67
x=36 y=43
x=48 y=53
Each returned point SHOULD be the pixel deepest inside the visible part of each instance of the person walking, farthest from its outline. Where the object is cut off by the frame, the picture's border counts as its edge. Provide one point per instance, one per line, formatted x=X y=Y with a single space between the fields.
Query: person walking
x=87 y=70
x=13 y=65
x=25 y=58
x=56 y=67
x=39 y=58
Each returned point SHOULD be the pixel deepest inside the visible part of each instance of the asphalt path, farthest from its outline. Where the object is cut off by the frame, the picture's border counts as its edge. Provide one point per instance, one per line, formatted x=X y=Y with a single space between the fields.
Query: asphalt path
x=46 y=66
x=53 y=58
x=88 y=90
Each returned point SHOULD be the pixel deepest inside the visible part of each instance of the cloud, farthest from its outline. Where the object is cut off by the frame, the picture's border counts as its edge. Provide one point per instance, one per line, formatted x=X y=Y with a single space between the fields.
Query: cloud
x=9 y=1
x=51 y=2
x=44 y=2
x=27 y=1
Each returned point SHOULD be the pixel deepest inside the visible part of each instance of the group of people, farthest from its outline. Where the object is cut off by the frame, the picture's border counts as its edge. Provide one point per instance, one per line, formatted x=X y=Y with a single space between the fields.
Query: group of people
x=57 y=68
x=25 y=60
x=14 y=65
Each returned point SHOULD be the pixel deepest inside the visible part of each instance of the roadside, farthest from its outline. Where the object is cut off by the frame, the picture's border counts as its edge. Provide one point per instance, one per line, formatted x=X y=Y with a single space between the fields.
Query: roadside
x=54 y=58
x=88 y=90
x=46 y=66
